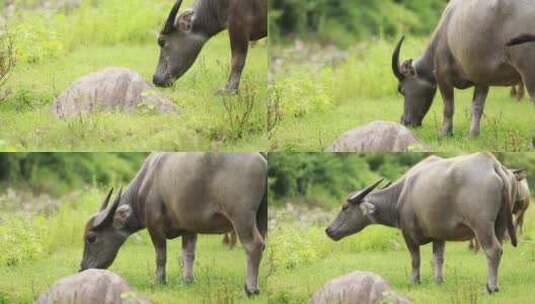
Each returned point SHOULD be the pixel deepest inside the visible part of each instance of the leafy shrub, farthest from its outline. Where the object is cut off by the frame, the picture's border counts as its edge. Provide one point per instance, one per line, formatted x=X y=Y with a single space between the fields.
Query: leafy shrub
x=19 y=240
x=337 y=21
x=41 y=35
x=302 y=94
x=291 y=247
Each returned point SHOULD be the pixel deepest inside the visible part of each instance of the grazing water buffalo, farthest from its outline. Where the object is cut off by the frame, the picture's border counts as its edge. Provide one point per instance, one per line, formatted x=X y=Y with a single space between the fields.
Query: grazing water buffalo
x=468 y=48
x=183 y=194
x=182 y=38
x=439 y=200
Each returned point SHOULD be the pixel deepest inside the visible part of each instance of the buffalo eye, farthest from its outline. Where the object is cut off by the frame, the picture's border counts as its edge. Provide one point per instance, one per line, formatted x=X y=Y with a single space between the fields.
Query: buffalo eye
x=161 y=42
x=91 y=238
x=345 y=206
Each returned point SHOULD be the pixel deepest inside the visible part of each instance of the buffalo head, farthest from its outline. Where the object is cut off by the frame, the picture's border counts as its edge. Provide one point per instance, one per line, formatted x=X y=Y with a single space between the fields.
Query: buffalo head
x=418 y=90
x=104 y=234
x=180 y=44
x=354 y=215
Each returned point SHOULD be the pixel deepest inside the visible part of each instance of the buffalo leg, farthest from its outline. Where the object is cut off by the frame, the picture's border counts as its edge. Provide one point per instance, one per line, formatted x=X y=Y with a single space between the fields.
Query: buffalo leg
x=493 y=251
x=478 y=104
x=189 y=241
x=160 y=246
x=239 y=44
x=447 y=93
x=253 y=243
x=414 y=249
x=438 y=260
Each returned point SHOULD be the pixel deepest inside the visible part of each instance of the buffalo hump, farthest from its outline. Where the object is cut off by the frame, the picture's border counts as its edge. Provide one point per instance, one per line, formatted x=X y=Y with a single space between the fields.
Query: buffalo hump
x=359 y=287
x=109 y=89
x=91 y=286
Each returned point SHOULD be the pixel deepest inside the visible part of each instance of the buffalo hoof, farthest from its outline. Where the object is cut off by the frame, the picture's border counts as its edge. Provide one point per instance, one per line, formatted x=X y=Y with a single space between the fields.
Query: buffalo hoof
x=446 y=133
x=187 y=281
x=251 y=293
x=474 y=134
x=492 y=290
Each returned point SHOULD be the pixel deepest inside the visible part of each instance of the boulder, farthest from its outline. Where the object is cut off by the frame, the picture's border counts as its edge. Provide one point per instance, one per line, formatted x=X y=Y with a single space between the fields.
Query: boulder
x=91 y=286
x=358 y=287
x=110 y=89
x=377 y=136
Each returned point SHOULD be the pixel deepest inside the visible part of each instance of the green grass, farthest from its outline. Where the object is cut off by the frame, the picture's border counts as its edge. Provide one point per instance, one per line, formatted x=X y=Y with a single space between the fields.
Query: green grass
x=381 y=250
x=219 y=271
x=362 y=89
x=202 y=123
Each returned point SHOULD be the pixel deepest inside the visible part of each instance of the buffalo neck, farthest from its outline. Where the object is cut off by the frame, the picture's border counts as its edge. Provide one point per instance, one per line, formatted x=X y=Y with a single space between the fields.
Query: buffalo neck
x=385 y=202
x=210 y=17
x=132 y=197
x=425 y=64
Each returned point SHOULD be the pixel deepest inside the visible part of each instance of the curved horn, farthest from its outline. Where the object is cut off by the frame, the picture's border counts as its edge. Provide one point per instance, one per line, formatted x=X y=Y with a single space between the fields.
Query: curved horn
x=170 y=23
x=386 y=186
x=106 y=216
x=362 y=194
x=395 y=60
x=106 y=200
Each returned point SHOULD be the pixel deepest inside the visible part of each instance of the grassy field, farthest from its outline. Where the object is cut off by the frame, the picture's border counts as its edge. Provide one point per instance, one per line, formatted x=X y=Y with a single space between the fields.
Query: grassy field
x=305 y=259
x=316 y=102
x=203 y=121
x=47 y=249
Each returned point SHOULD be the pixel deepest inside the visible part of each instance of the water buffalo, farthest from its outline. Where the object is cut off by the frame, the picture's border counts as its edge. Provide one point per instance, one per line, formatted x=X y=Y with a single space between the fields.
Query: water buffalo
x=439 y=200
x=183 y=194
x=468 y=48
x=183 y=37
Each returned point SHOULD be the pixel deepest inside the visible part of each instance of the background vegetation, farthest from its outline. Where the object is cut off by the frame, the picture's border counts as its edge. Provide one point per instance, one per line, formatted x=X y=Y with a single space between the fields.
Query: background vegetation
x=55 y=44
x=334 y=21
x=45 y=201
x=306 y=192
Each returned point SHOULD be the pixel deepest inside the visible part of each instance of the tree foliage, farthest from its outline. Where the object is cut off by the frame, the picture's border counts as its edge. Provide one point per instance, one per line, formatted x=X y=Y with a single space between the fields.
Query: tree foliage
x=334 y=20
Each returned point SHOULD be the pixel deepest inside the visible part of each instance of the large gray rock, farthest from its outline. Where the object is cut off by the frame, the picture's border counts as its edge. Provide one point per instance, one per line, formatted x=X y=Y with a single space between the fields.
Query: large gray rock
x=110 y=89
x=377 y=136
x=89 y=287
x=359 y=287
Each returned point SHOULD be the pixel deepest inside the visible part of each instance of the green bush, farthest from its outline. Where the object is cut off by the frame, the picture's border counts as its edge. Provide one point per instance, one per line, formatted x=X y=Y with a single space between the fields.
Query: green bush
x=41 y=35
x=20 y=240
x=58 y=173
x=292 y=247
x=25 y=237
x=340 y=21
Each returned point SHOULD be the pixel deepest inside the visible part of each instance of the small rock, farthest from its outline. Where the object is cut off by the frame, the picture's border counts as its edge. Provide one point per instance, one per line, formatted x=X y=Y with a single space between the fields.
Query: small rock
x=110 y=89
x=359 y=287
x=91 y=286
x=377 y=136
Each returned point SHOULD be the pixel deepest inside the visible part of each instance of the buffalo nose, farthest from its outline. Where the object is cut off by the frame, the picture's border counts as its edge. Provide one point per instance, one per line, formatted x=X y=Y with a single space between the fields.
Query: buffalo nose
x=157 y=81
x=328 y=231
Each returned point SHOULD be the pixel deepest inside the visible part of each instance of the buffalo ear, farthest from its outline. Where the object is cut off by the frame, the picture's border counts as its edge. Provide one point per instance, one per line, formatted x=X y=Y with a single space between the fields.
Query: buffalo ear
x=407 y=69
x=121 y=216
x=185 y=20
x=520 y=174
x=367 y=208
